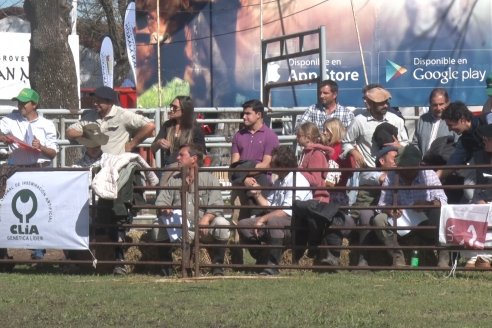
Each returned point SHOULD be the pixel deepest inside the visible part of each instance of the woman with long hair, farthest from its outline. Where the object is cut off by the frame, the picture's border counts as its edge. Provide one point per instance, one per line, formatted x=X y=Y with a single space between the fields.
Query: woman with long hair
x=178 y=130
x=333 y=133
x=314 y=155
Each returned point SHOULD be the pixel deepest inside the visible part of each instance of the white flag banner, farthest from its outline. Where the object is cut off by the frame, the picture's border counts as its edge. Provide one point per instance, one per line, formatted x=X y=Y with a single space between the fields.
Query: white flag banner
x=45 y=210
x=73 y=16
x=131 y=48
x=107 y=61
x=408 y=218
x=466 y=225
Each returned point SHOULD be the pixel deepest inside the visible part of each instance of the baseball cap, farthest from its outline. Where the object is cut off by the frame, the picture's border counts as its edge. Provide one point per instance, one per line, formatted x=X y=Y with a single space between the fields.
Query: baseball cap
x=383 y=151
x=106 y=93
x=27 y=95
x=489 y=85
x=378 y=94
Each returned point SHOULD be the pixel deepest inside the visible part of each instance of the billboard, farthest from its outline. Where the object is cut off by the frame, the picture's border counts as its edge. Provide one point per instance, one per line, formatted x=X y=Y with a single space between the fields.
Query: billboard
x=213 y=48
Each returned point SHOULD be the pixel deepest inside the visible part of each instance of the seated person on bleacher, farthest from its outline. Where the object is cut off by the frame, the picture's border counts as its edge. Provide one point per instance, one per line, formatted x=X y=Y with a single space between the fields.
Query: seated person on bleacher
x=189 y=157
x=410 y=156
x=278 y=220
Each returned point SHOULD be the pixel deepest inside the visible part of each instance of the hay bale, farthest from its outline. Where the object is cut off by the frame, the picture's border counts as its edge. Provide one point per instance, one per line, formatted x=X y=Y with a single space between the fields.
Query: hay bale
x=150 y=253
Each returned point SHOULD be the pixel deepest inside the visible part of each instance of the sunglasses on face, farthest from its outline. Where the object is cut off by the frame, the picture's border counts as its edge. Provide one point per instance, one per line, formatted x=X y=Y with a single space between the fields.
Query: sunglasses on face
x=174 y=108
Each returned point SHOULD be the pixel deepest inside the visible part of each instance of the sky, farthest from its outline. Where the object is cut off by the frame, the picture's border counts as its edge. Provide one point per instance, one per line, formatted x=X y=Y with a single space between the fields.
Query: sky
x=10 y=3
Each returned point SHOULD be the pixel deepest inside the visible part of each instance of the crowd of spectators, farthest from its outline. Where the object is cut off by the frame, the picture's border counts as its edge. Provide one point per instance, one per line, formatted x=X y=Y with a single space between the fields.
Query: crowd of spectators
x=330 y=137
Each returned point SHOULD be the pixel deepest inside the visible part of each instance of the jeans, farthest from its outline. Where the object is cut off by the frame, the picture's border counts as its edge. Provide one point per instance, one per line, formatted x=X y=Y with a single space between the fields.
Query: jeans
x=37 y=254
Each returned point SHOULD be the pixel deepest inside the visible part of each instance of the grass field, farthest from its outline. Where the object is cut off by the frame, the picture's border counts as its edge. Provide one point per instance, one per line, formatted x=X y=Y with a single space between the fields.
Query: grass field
x=382 y=299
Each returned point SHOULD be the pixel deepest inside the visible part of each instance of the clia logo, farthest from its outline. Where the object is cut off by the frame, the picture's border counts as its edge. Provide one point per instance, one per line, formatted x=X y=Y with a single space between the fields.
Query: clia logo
x=24 y=206
x=393 y=70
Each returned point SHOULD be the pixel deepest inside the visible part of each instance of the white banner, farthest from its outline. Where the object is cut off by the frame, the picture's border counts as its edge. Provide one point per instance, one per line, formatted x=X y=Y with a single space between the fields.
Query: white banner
x=466 y=225
x=14 y=62
x=131 y=48
x=107 y=61
x=46 y=210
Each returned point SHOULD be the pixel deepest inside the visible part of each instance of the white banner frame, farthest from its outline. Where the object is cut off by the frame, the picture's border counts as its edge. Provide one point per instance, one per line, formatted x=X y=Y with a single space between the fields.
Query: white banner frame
x=46 y=209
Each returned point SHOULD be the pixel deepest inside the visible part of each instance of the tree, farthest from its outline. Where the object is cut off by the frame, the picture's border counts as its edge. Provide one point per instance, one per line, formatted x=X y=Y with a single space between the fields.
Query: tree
x=51 y=64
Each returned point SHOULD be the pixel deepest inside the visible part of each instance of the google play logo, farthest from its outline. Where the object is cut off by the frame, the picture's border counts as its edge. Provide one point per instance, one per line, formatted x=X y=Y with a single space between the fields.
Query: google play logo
x=393 y=70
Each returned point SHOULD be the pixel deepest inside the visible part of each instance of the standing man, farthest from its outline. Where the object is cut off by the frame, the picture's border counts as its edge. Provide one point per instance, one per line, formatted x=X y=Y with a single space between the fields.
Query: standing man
x=328 y=107
x=251 y=146
x=430 y=125
x=358 y=140
x=31 y=138
x=191 y=157
x=126 y=130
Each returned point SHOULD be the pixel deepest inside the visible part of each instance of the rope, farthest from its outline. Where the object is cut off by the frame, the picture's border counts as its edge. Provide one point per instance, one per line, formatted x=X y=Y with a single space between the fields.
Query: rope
x=360 y=44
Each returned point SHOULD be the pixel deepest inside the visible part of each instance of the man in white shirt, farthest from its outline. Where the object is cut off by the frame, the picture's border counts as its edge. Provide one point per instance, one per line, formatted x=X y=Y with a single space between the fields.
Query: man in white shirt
x=358 y=140
x=277 y=220
x=31 y=138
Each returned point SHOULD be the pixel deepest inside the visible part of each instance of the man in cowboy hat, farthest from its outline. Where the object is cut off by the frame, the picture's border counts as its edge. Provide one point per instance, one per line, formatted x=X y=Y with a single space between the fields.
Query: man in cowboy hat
x=125 y=129
x=92 y=138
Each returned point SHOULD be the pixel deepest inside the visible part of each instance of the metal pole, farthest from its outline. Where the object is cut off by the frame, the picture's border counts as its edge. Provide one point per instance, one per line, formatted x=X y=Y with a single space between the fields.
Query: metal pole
x=322 y=52
x=261 y=51
x=360 y=44
x=159 y=86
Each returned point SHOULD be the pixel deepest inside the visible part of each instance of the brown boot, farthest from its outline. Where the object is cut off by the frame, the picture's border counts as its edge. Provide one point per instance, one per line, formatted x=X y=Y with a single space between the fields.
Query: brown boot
x=443 y=259
x=396 y=254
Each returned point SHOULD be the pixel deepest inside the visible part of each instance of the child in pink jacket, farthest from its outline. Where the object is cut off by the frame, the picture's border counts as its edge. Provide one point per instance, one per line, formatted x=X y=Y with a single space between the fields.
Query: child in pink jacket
x=314 y=155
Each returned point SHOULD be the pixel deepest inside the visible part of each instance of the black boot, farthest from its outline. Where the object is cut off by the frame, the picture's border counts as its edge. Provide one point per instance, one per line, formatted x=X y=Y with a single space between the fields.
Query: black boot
x=218 y=258
x=166 y=255
x=299 y=238
x=7 y=267
x=237 y=255
x=362 y=261
x=331 y=257
x=274 y=257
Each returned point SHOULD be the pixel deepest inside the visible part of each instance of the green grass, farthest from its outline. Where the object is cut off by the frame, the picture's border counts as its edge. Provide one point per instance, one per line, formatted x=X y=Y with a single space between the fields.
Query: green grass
x=383 y=299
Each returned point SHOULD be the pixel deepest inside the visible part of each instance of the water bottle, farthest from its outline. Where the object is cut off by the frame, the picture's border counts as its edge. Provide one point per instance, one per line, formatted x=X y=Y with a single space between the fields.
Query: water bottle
x=414 y=261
